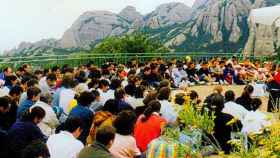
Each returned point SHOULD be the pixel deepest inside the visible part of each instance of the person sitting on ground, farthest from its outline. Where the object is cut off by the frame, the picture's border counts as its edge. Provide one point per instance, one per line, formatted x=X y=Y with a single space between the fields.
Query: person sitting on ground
x=245 y=99
x=104 y=117
x=236 y=110
x=222 y=130
x=47 y=84
x=33 y=95
x=36 y=149
x=50 y=121
x=167 y=108
x=9 y=118
x=104 y=139
x=4 y=108
x=124 y=145
x=204 y=73
x=24 y=131
x=82 y=111
x=120 y=97
x=65 y=144
x=149 y=125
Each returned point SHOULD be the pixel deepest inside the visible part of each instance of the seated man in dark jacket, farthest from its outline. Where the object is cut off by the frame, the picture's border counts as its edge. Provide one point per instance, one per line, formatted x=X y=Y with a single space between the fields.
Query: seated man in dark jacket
x=104 y=139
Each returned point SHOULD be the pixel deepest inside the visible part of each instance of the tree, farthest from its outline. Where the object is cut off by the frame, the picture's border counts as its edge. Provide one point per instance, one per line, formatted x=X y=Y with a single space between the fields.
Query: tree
x=133 y=43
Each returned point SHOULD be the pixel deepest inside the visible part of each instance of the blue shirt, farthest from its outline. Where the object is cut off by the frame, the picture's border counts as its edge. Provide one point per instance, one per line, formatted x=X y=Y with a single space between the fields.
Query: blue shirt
x=86 y=115
x=21 y=134
x=25 y=105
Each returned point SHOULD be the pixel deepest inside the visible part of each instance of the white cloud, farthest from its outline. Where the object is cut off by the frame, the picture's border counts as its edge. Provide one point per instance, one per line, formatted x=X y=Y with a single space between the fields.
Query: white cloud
x=32 y=20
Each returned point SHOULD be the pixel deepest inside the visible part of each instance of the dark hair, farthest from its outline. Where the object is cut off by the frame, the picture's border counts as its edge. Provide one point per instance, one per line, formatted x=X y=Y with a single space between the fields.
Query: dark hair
x=68 y=82
x=164 y=83
x=38 y=72
x=6 y=69
x=164 y=93
x=125 y=122
x=139 y=92
x=256 y=103
x=193 y=95
x=119 y=93
x=248 y=90
x=229 y=96
x=130 y=89
x=153 y=106
x=51 y=77
x=72 y=124
x=151 y=96
x=179 y=98
x=31 y=83
x=31 y=114
x=115 y=84
x=5 y=102
x=16 y=90
x=85 y=98
x=105 y=134
x=55 y=68
x=147 y=68
x=95 y=93
x=11 y=78
x=33 y=91
x=35 y=150
x=103 y=83
x=217 y=103
x=111 y=106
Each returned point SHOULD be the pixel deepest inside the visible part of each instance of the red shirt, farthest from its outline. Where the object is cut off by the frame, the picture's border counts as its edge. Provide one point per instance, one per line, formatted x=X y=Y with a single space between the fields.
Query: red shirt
x=147 y=131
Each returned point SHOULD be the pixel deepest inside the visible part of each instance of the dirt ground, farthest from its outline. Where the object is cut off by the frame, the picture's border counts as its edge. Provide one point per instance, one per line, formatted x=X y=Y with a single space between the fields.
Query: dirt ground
x=204 y=90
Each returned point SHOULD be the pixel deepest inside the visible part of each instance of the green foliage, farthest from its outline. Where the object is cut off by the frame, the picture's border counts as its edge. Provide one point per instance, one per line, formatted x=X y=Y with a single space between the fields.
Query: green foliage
x=133 y=43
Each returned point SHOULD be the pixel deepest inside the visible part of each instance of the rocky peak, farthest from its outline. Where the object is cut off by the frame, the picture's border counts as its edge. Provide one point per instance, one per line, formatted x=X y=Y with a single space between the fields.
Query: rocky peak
x=131 y=14
x=199 y=3
x=168 y=14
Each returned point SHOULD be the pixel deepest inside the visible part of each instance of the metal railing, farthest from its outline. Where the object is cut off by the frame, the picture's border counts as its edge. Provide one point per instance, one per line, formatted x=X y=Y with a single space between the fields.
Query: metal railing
x=99 y=59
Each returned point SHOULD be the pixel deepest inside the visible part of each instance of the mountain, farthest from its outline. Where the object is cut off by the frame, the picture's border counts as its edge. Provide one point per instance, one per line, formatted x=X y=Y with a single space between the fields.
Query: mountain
x=167 y=15
x=216 y=26
x=92 y=27
x=209 y=26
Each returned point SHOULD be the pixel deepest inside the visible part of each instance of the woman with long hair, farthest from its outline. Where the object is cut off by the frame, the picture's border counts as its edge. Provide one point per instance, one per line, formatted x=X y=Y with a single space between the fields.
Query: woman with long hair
x=245 y=99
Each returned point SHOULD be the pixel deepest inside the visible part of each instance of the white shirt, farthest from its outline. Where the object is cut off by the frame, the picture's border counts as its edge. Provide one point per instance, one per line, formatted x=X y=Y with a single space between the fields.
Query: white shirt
x=64 y=145
x=65 y=97
x=134 y=102
x=235 y=110
x=104 y=96
x=168 y=111
x=254 y=122
x=50 y=121
x=178 y=75
x=44 y=87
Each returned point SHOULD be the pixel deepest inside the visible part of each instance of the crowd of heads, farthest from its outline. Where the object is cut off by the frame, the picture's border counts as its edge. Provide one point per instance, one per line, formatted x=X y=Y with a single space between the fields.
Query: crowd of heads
x=80 y=95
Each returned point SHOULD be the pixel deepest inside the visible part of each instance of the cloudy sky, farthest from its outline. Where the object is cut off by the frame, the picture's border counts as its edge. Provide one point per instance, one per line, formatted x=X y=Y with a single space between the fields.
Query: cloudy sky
x=32 y=20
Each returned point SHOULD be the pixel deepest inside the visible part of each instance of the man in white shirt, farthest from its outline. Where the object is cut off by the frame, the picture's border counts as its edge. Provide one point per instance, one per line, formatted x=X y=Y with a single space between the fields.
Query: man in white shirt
x=65 y=144
x=179 y=74
x=236 y=110
x=50 y=121
x=47 y=83
x=105 y=93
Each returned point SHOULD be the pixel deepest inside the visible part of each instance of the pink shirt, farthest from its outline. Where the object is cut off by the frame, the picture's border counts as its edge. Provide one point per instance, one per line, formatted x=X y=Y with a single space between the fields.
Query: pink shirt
x=124 y=146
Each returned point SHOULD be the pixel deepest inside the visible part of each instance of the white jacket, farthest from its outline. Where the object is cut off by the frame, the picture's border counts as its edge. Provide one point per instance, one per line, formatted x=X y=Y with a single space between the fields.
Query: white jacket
x=50 y=121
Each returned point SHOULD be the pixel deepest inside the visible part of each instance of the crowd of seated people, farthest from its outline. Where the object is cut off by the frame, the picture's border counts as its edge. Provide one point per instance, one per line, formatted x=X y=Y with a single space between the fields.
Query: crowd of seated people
x=118 y=110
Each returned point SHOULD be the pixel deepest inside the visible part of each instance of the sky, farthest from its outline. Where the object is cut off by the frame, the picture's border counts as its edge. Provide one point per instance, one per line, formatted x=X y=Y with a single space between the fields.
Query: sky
x=33 y=20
